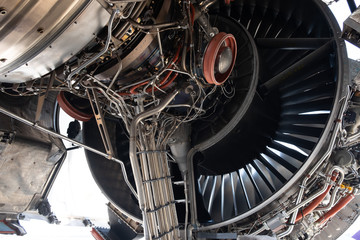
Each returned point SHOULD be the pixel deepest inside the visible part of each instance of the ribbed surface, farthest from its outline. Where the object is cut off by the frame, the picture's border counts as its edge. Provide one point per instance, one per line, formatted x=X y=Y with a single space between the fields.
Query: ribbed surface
x=301 y=96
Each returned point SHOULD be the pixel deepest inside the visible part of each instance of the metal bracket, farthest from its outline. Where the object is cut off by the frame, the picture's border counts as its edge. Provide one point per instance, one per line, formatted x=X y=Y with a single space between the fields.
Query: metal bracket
x=98 y=113
x=42 y=96
x=351 y=30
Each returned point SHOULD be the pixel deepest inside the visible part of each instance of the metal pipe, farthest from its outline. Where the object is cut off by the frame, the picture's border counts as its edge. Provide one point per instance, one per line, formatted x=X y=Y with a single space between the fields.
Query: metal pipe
x=115 y=77
x=153 y=26
x=333 y=196
x=312 y=171
x=331 y=203
x=58 y=135
x=340 y=205
x=186 y=205
x=316 y=202
x=204 y=5
x=99 y=54
x=318 y=164
x=352 y=138
x=132 y=152
x=160 y=47
x=300 y=204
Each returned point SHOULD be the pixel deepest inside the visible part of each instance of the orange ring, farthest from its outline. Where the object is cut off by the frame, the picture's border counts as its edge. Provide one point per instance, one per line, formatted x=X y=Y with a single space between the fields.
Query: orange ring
x=71 y=110
x=218 y=42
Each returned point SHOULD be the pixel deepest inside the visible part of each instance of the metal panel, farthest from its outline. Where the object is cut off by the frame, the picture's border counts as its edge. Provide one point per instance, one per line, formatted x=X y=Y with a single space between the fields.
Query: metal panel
x=23 y=175
x=36 y=35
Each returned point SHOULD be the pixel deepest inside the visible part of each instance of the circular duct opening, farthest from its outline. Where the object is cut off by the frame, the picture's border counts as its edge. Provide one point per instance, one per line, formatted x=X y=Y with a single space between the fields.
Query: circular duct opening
x=288 y=119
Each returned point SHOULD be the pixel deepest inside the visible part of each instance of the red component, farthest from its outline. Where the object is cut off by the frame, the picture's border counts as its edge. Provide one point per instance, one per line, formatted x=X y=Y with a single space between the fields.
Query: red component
x=215 y=47
x=192 y=9
x=316 y=201
x=335 y=209
x=96 y=234
x=163 y=83
x=169 y=82
x=227 y=2
x=71 y=110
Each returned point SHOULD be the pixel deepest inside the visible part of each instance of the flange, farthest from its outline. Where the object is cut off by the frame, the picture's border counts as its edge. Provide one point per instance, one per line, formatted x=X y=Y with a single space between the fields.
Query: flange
x=71 y=109
x=219 y=58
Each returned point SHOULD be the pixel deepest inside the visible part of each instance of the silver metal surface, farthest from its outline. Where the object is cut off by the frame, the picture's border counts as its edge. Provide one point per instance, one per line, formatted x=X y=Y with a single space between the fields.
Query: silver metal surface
x=143 y=50
x=224 y=60
x=55 y=134
x=319 y=163
x=99 y=54
x=351 y=29
x=40 y=42
x=99 y=117
x=22 y=175
x=158 y=215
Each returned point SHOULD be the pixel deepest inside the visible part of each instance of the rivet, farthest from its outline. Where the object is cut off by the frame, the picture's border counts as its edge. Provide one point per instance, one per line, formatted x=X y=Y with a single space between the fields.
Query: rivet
x=3 y=11
x=40 y=30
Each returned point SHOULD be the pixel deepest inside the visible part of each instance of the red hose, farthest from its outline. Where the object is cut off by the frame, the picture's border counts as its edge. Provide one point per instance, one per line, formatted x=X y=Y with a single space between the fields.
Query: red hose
x=169 y=82
x=192 y=17
x=162 y=83
x=335 y=209
x=316 y=202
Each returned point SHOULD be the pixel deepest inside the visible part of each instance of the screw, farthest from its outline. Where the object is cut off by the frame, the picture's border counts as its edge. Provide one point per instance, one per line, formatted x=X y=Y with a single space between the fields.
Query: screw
x=3 y=11
x=3 y=60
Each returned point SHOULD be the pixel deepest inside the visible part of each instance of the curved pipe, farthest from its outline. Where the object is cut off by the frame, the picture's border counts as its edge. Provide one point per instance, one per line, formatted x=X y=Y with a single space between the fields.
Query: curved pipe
x=317 y=200
x=331 y=203
x=340 y=205
x=163 y=83
x=318 y=193
x=107 y=43
x=327 y=154
x=318 y=164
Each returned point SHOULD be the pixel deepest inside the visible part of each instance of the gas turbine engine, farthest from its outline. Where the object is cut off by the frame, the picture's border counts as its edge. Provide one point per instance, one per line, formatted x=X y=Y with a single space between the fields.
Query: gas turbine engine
x=197 y=115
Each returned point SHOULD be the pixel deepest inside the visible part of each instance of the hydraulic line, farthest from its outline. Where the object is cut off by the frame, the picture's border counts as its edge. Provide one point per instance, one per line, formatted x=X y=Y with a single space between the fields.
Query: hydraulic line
x=340 y=205
x=138 y=176
x=316 y=202
x=99 y=54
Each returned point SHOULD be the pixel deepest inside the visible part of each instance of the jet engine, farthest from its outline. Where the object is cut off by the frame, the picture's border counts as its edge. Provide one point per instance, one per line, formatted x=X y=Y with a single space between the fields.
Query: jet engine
x=201 y=119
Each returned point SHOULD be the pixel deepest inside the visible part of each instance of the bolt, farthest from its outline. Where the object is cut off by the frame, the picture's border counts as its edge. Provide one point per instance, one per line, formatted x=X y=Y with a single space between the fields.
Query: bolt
x=3 y=11
x=40 y=30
